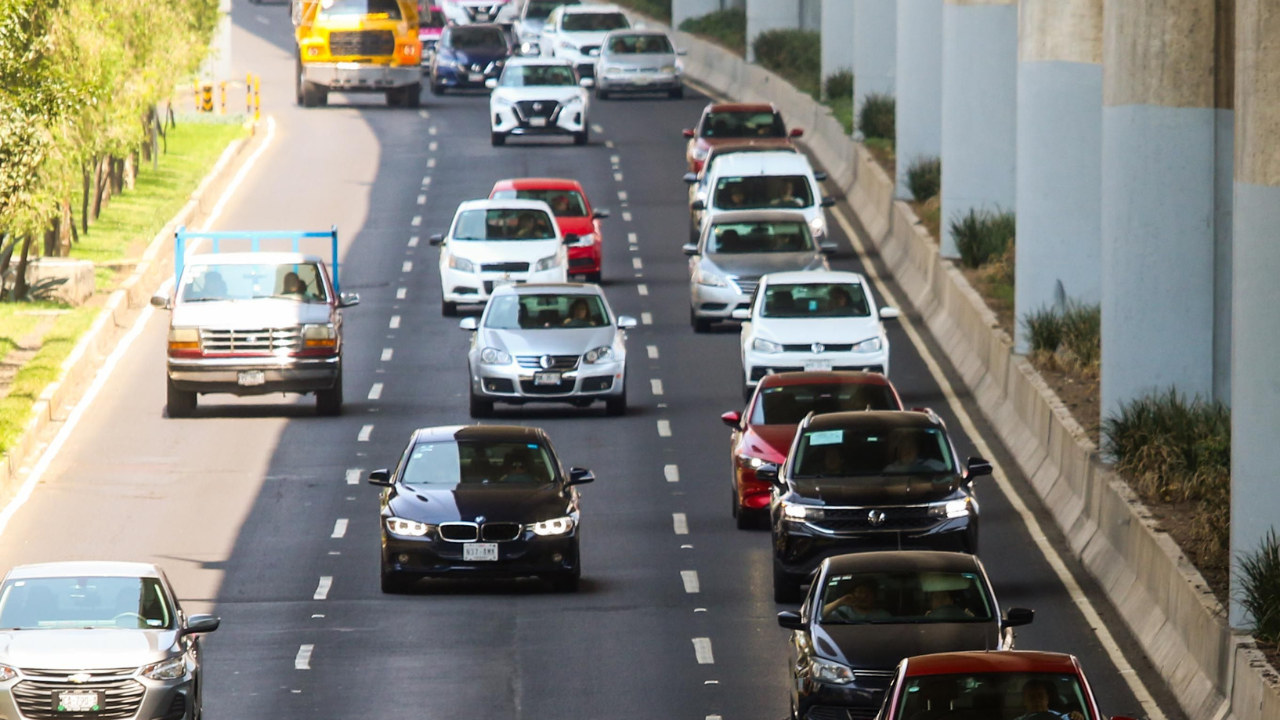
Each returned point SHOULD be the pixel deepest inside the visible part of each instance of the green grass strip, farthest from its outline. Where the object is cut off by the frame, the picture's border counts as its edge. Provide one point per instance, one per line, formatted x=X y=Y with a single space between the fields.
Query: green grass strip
x=31 y=380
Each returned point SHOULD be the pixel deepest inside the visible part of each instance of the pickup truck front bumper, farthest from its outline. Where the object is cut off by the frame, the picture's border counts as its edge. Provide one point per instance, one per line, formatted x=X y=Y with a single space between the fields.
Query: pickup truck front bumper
x=353 y=77
x=239 y=376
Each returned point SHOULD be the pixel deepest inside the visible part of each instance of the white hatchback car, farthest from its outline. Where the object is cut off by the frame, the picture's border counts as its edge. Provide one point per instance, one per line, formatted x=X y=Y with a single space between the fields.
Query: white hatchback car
x=575 y=32
x=779 y=180
x=538 y=96
x=493 y=243
x=812 y=321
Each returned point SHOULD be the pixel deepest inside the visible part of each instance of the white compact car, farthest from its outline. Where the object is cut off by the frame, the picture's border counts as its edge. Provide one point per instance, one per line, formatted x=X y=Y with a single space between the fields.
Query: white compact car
x=575 y=32
x=493 y=243
x=538 y=96
x=812 y=321
x=532 y=20
x=779 y=180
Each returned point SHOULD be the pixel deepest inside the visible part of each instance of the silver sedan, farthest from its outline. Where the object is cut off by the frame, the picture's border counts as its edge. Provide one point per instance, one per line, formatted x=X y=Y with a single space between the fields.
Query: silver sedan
x=736 y=250
x=556 y=342
x=639 y=61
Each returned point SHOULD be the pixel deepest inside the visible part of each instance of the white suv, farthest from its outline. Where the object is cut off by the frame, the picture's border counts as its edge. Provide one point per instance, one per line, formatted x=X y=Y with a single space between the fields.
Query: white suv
x=493 y=243
x=779 y=180
x=538 y=96
x=575 y=32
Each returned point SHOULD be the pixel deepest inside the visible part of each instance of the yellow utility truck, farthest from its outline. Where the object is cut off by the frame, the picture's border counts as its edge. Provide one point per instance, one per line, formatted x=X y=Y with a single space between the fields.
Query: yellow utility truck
x=366 y=46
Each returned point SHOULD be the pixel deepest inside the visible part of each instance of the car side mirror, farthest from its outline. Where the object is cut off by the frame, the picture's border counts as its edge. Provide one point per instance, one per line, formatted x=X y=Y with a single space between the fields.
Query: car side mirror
x=580 y=476
x=380 y=478
x=626 y=322
x=600 y=213
x=689 y=248
x=346 y=300
x=790 y=620
x=699 y=205
x=530 y=48
x=587 y=82
x=741 y=314
x=682 y=52
x=828 y=202
x=201 y=624
x=571 y=239
x=1017 y=617
x=592 y=53
x=797 y=132
x=733 y=419
x=690 y=178
x=687 y=133
x=889 y=313
x=160 y=300
x=767 y=472
x=828 y=248
x=468 y=323
x=820 y=176
x=436 y=240
x=976 y=467
x=491 y=83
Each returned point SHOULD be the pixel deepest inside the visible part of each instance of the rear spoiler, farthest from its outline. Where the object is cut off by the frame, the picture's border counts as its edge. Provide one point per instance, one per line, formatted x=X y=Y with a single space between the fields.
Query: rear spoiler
x=255 y=239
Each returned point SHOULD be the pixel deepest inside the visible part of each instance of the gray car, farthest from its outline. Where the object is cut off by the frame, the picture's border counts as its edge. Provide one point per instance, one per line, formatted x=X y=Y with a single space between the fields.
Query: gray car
x=639 y=61
x=554 y=342
x=97 y=640
x=736 y=250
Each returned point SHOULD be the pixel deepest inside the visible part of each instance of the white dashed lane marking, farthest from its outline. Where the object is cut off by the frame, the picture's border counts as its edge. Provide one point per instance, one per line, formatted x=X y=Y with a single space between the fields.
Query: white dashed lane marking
x=656 y=385
x=690 y=579
x=413 y=241
x=608 y=144
x=680 y=523
x=422 y=199
x=664 y=428
x=426 y=181
x=322 y=590
x=433 y=146
x=646 y=318
x=653 y=351
x=387 y=353
x=431 y=162
x=632 y=238
x=622 y=195
x=339 y=528
x=365 y=432
x=375 y=392
x=637 y=263
x=424 y=114
x=407 y=266
x=432 y=130
x=617 y=177
x=642 y=288
x=597 y=129
x=702 y=651
x=417 y=220
x=626 y=217
x=671 y=473
x=395 y=322
x=303 y=659
x=401 y=292
x=353 y=474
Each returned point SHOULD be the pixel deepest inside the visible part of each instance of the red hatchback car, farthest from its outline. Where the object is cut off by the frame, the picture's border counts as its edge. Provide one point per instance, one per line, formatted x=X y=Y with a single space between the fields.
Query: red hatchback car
x=574 y=215
x=763 y=433
x=1000 y=685
x=735 y=122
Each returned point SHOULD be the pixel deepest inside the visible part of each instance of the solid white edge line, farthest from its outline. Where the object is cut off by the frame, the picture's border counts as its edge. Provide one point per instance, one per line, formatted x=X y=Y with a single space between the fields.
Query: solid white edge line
x=339 y=528
x=671 y=473
x=322 y=589
x=303 y=660
x=1050 y=553
x=680 y=523
x=690 y=580
x=702 y=651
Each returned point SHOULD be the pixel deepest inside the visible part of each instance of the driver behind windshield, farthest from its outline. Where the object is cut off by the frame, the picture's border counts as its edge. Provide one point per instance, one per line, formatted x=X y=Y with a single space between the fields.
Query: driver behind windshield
x=1035 y=701
x=860 y=604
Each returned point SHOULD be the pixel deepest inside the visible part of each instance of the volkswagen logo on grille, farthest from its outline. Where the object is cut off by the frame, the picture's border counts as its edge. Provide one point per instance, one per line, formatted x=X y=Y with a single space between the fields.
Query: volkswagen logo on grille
x=818 y=348
x=80 y=678
x=546 y=361
x=537 y=107
x=876 y=518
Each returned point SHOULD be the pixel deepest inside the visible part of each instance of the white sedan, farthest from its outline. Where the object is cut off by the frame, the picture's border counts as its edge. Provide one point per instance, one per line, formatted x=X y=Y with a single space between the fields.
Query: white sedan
x=538 y=96
x=808 y=321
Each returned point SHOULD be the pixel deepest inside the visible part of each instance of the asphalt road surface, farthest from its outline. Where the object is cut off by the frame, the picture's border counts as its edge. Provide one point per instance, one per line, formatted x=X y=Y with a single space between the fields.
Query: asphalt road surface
x=251 y=507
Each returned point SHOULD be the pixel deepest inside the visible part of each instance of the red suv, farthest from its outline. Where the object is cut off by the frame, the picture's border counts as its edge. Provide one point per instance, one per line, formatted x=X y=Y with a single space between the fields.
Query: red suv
x=735 y=122
x=1005 y=684
x=763 y=433
x=574 y=215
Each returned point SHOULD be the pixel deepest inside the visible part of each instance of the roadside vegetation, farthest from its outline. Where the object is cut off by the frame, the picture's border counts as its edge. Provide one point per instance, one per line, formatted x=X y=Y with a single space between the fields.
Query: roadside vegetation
x=838 y=95
x=877 y=125
x=1260 y=589
x=726 y=28
x=985 y=241
x=794 y=55
x=924 y=180
x=656 y=9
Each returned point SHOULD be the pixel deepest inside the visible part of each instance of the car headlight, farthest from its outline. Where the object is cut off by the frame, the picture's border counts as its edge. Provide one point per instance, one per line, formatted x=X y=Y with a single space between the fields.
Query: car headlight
x=599 y=355
x=566 y=45
x=184 y=339
x=710 y=279
x=613 y=69
x=700 y=153
x=504 y=102
x=586 y=240
x=766 y=346
x=461 y=264
x=7 y=673
x=547 y=263
x=870 y=345
x=170 y=669
x=494 y=356
x=669 y=69
x=319 y=336
x=557 y=526
x=801 y=512
x=407 y=528
x=950 y=509
x=830 y=672
x=818 y=226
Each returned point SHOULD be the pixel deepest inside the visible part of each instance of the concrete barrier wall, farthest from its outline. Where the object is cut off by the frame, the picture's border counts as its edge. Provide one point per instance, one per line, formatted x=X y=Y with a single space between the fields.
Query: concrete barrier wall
x=1213 y=672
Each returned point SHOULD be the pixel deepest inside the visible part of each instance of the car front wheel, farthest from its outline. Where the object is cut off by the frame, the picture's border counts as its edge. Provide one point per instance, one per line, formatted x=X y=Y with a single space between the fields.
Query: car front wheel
x=393 y=583
x=786 y=590
x=479 y=407
x=617 y=406
x=497 y=139
x=180 y=403
x=329 y=402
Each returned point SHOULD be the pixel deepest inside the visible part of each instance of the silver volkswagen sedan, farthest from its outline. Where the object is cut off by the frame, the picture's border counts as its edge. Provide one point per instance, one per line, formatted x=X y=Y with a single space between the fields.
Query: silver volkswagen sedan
x=555 y=342
x=736 y=250
x=639 y=61
x=97 y=640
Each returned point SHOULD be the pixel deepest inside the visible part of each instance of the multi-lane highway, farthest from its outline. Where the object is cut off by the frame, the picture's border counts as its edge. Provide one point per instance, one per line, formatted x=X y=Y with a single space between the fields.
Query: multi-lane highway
x=254 y=509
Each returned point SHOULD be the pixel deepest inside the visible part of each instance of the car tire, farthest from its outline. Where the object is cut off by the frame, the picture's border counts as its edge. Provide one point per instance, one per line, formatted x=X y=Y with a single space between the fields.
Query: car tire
x=393 y=583
x=700 y=325
x=448 y=309
x=602 y=94
x=297 y=80
x=412 y=95
x=581 y=138
x=329 y=402
x=436 y=88
x=479 y=407
x=179 y=403
x=497 y=139
x=395 y=97
x=617 y=406
x=313 y=95
x=786 y=591
x=677 y=93
x=594 y=277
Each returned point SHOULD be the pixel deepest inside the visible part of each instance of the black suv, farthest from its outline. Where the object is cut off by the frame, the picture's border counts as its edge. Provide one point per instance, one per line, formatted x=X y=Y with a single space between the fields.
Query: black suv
x=868 y=481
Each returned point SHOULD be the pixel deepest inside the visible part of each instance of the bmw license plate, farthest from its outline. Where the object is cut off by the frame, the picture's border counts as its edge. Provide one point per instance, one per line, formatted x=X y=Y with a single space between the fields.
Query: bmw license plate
x=77 y=701
x=480 y=552
x=546 y=378
x=537 y=122
x=477 y=77
x=817 y=365
x=250 y=378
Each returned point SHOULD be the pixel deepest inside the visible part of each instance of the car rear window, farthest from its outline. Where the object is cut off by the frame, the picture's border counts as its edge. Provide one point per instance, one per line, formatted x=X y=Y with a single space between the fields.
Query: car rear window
x=743 y=124
x=788 y=404
x=905 y=597
x=845 y=452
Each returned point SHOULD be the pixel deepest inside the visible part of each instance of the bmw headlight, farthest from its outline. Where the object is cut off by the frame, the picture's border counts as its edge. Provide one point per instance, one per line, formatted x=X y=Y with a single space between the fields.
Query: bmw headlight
x=950 y=509
x=871 y=345
x=461 y=264
x=494 y=356
x=766 y=346
x=818 y=226
x=407 y=528
x=556 y=526
x=599 y=355
x=830 y=672
x=170 y=669
x=710 y=279
x=7 y=673
x=547 y=263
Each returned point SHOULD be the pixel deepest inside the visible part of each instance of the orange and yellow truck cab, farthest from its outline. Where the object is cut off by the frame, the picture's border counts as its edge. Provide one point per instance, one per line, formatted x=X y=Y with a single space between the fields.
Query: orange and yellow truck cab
x=357 y=46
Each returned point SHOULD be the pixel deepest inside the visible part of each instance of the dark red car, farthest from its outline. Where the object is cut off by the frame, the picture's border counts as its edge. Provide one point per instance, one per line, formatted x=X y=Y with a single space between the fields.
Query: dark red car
x=984 y=685
x=763 y=433
x=574 y=215
x=725 y=122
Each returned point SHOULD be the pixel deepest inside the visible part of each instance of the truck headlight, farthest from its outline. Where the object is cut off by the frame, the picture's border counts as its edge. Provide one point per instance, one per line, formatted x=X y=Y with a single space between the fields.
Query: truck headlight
x=184 y=339
x=547 y=263
x=599 y=355
x=461 y=264
x=494 y=356
x=170 y=669
x=319 y=336
x=870 y=345
x=407 y=528
x=766 y=346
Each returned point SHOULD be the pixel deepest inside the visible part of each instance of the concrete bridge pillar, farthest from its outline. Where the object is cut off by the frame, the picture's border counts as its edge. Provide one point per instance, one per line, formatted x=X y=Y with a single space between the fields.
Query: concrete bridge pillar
x=875 y=42
x=766 y=15
x=1166 y=206
x=979 y=109
x=1059 y=156
x=918 y=85
x=682 y=10
x=837 y=38
x=1255 y=394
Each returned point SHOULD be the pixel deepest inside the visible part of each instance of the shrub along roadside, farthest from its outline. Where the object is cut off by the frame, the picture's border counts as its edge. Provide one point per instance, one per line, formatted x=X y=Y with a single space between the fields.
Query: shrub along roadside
x=656 y=9
x=924 y=178
x=1260 y=588
x=876 y=118
x=981 y=235
x=726 y=28
x=795 y=55
x=1070 y=336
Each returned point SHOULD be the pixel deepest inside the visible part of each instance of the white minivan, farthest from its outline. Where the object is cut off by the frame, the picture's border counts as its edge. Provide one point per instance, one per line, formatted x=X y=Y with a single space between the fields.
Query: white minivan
x=493 y=243
x=778 y=180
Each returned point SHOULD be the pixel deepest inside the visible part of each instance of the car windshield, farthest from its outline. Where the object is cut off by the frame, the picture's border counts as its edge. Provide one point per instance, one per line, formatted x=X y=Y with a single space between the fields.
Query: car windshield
x=505 y=224
x=860 y=453
x=564 y=203
x=788 y=404
x=815 y=300
x=1018 y=696
x=451 y=463
x=370 y=9
x=236 y=281
x=538 y=76
x=740 y=124
x=477 y=38
x=432 y=18
x=541 y=9
x=640 y=45
x=905 y=597
x=85 y=602
x=545 y=312
x=594 y=22
x=760 y=237
x=763 y=191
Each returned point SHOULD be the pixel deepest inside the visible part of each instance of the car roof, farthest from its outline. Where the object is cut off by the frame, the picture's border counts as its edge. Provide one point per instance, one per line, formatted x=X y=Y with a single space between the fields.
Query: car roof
x=519 y=61
x=824 y=377
x=813 y=277
x=492 y=433
x=84 y=568
x=251 y=258
x=773 y=162
x=873 y=420
x=538 y=184
x=1001 y=661
x=741 y=107
x=567 y=288
x=922 y=560
x=747 y=216
x=508 y=204
x=589 y=8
